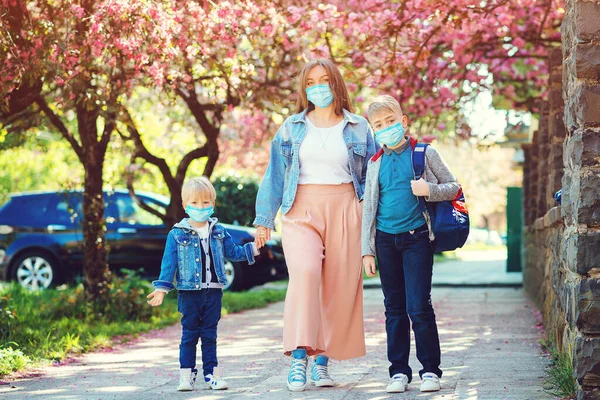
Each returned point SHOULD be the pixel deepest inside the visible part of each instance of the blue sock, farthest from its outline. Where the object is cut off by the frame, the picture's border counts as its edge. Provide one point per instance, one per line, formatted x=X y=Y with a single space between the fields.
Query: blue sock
x=322 y=360
x=299 y=353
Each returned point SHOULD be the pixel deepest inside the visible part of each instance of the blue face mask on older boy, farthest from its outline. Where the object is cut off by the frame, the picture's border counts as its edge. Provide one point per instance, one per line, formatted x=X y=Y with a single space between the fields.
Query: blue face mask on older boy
x=391 y=136
x=199 y=214
x=320 y=95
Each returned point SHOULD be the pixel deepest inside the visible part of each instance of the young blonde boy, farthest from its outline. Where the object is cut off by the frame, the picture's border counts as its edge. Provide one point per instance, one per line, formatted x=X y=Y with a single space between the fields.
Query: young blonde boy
x=396 y=232
x=194 y=257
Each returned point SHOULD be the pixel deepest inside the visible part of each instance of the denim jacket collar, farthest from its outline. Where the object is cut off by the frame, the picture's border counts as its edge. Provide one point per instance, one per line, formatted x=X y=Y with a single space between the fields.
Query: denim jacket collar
x=185 y=224
x=348 y=116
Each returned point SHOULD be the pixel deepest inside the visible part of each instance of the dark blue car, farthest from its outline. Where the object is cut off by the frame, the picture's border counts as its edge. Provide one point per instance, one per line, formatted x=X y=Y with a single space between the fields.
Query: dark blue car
x=41 y=240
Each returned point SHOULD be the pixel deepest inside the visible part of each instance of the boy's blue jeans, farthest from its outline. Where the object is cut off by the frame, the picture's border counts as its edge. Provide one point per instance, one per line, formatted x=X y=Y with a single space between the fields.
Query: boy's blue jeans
x=200 y=314
x=405 y=267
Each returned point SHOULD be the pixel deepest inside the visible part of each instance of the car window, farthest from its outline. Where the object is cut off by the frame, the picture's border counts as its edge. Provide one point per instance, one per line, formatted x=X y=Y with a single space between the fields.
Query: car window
x=131 y=213
x=68 y=209
x=27 y=209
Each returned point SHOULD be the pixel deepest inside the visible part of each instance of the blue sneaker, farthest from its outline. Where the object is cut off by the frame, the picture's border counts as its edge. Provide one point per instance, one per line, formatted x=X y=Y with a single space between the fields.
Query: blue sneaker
x=320 y=375
x=296 y=381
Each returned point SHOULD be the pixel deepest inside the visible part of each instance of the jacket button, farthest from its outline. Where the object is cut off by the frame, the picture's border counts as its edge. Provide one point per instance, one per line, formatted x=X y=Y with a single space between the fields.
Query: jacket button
x=197 y=274
x=197 y=286
x=197 y=259
x=193 y=233
x=195 y=244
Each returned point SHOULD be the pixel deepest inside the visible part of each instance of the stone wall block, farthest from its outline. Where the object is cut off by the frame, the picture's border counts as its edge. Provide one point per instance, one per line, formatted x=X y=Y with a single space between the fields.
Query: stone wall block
x=586 y=363
x=588 y=205
x=582 y=148
x=587 y=64
x=586 y=105
x=586 y=16
x=588 y=306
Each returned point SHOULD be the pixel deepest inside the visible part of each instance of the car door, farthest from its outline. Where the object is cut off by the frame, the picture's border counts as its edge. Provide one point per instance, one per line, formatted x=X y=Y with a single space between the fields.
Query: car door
x=65 y=223
x=140 y=235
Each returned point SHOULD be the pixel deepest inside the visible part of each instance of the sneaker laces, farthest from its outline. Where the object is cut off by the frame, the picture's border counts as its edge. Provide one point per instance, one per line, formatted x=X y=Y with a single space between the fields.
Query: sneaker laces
x=321 y=372
x=298 y=370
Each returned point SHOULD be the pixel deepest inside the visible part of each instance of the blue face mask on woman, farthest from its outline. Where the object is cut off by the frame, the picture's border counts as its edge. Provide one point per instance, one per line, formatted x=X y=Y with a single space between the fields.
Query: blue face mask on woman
x=320 y=95
x=199 y=214
x=391 y=136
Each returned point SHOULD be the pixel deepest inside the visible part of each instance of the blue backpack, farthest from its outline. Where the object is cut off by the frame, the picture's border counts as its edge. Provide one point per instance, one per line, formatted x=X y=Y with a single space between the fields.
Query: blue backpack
x=449 y=219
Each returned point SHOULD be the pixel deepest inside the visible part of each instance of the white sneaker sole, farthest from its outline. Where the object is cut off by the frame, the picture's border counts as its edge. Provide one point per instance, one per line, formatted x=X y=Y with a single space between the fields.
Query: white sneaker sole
x=398 y=390
x=210 y=387
x=324 y=383
x=185 y=389
x=430 y=387
x=296 y=388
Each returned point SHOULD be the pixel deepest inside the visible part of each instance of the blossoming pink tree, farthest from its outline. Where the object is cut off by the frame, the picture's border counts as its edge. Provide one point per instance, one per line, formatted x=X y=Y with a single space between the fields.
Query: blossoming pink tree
x=433 y=56
x=233 y=70
x=69 y=65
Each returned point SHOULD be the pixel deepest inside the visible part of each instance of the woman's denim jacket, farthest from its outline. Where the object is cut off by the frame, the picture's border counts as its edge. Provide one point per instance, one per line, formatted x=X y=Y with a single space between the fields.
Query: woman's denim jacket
x=182 y=260
x=278 y=187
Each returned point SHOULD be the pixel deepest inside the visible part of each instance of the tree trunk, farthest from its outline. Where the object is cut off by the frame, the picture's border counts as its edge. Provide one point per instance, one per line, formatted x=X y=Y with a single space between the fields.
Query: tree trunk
x=95 y=265
x=95 y=268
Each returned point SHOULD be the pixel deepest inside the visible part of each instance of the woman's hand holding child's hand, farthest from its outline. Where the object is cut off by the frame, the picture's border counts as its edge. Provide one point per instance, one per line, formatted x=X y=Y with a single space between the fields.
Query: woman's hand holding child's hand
x=156 y=298
x=262 y=235
x=369 y=266
x=420 y=187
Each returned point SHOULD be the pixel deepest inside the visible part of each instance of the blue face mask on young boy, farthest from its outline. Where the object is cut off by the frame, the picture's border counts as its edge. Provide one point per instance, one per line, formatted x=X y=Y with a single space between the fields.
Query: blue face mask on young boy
x=391 y=136
x=199 y=214
x=320 y=95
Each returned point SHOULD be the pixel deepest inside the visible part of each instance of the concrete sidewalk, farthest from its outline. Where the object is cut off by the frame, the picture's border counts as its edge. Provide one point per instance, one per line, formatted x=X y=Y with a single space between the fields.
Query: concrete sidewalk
x=489 y=351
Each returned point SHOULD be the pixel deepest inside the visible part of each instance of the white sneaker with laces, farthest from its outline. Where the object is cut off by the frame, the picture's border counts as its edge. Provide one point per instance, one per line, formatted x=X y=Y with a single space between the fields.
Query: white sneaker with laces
x=187 y=378
x=210 y=382
x=398 y=384
x=430 y=382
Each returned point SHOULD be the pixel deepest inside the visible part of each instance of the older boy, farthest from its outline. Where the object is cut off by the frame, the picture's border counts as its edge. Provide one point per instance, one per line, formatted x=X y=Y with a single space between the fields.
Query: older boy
x=399 y=234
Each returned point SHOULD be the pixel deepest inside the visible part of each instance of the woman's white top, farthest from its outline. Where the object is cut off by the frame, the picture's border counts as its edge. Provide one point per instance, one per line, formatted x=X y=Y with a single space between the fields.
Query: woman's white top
x=323 y=156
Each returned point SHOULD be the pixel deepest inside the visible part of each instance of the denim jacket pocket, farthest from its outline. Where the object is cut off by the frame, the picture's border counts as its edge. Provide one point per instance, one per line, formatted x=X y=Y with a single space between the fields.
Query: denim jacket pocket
x=360 y=149
x=185 y=255
x=286 y=149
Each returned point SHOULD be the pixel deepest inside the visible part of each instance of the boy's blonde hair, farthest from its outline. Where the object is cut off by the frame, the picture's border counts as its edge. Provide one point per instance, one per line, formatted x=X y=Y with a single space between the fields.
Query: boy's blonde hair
x=199 y=187
x=383 y=103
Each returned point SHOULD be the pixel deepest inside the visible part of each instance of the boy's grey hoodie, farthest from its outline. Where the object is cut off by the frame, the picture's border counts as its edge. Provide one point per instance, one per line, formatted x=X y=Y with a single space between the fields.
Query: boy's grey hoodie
x=442 y=187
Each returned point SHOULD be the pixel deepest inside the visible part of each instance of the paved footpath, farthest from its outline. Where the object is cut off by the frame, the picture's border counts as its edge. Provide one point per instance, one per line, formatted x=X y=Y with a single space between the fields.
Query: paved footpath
x=489 y=351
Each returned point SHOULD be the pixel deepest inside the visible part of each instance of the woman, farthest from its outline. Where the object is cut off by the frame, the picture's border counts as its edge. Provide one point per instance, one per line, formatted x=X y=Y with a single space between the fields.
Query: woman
x=316 y=174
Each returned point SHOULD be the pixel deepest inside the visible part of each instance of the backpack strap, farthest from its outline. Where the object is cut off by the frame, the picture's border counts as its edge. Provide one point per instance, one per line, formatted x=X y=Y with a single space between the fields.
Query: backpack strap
x=418 y=160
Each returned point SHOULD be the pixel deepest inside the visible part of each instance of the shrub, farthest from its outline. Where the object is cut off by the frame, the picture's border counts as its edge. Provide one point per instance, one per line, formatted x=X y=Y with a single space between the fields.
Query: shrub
x=12 y=360
x=236 y=196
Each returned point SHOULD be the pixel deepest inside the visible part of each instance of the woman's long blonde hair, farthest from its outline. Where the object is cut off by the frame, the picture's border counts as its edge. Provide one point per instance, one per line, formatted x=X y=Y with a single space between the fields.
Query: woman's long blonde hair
x=341 y=100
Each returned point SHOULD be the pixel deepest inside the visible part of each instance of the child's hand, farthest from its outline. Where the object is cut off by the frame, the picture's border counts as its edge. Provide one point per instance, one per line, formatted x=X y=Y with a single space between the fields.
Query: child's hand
x=262 y=235
x=369 y=266
x=420 y=187
x=156 y=298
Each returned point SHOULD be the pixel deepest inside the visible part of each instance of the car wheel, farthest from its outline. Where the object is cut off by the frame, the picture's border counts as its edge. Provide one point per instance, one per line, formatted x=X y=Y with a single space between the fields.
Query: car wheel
x=234 y=276
x=35 y=271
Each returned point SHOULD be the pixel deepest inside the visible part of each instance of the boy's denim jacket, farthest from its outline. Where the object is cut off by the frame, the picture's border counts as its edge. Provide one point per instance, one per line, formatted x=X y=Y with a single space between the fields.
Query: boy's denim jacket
x=278 y=187
x=182 y=260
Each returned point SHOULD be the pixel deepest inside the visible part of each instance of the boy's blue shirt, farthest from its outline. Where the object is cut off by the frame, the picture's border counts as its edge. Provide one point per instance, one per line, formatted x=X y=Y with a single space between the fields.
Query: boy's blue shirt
x=278 y=187
x=398 y=209
x=182 y=259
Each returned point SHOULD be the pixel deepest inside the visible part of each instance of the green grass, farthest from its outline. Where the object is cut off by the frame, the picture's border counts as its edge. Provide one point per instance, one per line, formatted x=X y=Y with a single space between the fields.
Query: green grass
x=38 y=327
x=560 y=380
